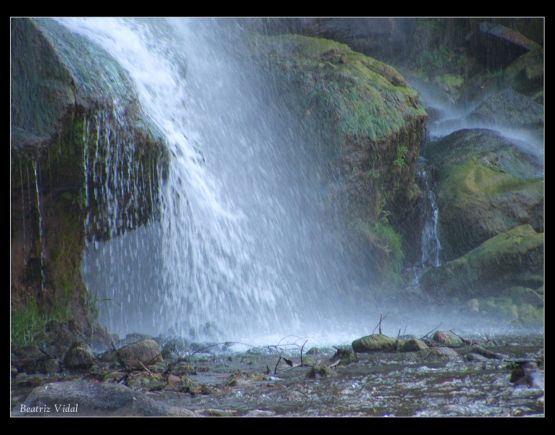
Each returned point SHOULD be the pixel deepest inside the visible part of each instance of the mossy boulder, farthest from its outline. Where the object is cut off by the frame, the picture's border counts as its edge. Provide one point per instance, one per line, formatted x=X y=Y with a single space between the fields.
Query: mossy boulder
x=64 y=130
x=140 y=354
x=512 y=258
x=486 y=184
x=372 y=125
x=375 y=343
x=413 y=345
x=79 y=356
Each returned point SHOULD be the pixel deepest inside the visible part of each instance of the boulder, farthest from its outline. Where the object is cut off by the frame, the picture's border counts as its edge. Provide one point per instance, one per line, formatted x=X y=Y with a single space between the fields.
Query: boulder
x=512 y=258
x=92 y=399
x=143 y=352
x=413 y=345
x=445 y=339
x=30 y=359
x=79 y=356
x=375 y=343
x=486 y=184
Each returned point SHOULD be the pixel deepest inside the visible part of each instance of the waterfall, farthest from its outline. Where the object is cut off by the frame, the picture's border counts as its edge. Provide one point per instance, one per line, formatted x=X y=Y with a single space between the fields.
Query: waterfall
x=246 y=244
x=40 y=225
x=430 y=246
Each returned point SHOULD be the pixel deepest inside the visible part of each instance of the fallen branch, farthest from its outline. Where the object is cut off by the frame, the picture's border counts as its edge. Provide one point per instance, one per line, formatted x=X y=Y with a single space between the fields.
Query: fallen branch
x=275 y=368
x=145 y=367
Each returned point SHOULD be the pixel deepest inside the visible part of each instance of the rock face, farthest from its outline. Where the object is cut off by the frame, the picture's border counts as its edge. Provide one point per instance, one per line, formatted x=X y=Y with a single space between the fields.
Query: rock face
x=373 y=123
x=490 y=194
x=79 y=356
x=63 y=131
x=92 y=399
x=497 y=45
x=144 y=352
x=486 y=185
x=509 y=108
x=512 y=258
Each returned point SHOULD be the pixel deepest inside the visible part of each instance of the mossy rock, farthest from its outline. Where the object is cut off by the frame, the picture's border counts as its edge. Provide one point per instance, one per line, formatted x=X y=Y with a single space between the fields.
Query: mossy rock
x=63 y=88
x=512 y=258
x=376 y=343
x=413 y=345
x=486 y=184
x=373 y=124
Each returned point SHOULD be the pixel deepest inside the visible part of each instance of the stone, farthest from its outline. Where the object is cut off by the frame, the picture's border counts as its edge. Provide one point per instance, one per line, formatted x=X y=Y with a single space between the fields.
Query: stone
x=446 y=339
x=486 y=353
x=375 y=343
x=413 y=345
x=433 y=354
x=345 y=354
x=509 y=108
x=137 y=354
x=94 y=399
x=475 y=357
x=79 y=356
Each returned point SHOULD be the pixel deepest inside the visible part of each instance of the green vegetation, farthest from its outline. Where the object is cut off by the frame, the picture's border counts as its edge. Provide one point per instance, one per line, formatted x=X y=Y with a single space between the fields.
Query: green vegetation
x=28 y=322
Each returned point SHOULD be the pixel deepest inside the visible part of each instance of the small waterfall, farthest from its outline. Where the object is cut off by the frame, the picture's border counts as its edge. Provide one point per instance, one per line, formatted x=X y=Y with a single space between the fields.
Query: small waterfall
x=40 y=225
x=430 y=246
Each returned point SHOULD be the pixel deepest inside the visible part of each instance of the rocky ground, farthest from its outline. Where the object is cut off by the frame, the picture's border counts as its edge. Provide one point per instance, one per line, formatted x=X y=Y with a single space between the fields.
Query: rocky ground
x=440 y=374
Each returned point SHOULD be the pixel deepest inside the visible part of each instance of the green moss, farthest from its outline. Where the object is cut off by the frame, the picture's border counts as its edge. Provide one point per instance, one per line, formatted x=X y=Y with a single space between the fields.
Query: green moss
x=28 y=321
x=362 y=96
x=512 y=258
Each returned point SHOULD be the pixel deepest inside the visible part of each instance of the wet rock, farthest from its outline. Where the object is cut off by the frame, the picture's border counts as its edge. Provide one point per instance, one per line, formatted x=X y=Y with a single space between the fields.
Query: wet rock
x=134 y=338
x=440 y=354
x=79 y=356
x=321 y=371
x=413 y=345
x=475 y=357
x=375 y=343
x=143 y=352
x=109 y=356
x=31 y=359
x=344 y=354
x=527 y=373
x=95 y=398
x=145 y=381
x=486 y=353
x=446 y=339
x=509 y=108
x=486 y=184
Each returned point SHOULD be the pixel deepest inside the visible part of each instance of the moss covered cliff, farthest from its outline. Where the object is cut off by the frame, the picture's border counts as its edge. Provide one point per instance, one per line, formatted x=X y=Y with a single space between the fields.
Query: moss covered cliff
x=373 y=124
x=65 y=138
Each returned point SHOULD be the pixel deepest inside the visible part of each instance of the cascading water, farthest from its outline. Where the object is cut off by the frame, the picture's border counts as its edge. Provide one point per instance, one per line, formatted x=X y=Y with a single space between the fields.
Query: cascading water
x=245 y=245
x=430 y=245
x=40 y=225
